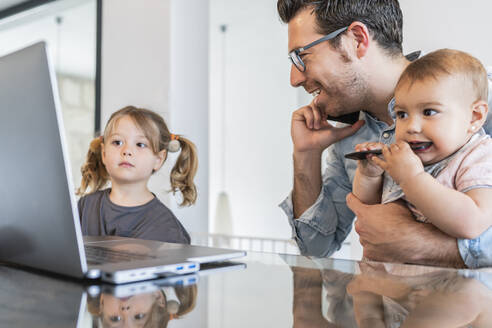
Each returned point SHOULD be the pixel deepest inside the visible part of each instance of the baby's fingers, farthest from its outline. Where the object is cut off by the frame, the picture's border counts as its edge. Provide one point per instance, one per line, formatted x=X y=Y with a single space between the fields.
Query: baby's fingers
x=378 y=161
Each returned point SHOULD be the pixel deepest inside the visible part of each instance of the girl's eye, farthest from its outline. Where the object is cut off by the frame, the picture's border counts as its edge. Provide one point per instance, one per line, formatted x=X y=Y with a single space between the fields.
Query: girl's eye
x=141 y=145
x=139 y=316
x=401 y=115
x=115 y=318
x=429 y=112
x=117 y=142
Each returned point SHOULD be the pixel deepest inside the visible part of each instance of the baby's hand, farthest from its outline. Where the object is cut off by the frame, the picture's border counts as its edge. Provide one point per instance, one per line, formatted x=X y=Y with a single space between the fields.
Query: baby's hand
x=368 y=167
x=400 y=162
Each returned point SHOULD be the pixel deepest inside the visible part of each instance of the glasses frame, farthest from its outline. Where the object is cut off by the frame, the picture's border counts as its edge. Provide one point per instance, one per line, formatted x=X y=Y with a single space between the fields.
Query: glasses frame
x=294 y=54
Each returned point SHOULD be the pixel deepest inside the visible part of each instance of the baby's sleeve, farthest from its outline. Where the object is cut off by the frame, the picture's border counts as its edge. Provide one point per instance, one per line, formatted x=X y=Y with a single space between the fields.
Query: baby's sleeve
x=475 y=170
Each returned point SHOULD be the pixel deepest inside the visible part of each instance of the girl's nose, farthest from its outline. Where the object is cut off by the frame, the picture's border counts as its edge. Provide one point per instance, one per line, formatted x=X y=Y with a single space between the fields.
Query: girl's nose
x=127 y=151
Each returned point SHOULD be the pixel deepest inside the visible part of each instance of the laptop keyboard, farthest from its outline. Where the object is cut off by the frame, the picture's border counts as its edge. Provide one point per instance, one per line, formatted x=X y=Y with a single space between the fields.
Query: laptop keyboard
x=100 y=255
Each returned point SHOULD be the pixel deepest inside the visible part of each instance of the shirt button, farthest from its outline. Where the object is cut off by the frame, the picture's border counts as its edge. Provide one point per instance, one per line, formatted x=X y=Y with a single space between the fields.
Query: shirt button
x=386 y=135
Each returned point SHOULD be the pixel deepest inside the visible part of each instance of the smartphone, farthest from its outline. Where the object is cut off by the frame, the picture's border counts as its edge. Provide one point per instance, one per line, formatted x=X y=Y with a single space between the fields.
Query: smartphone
x=360 y=155
x=347 y=118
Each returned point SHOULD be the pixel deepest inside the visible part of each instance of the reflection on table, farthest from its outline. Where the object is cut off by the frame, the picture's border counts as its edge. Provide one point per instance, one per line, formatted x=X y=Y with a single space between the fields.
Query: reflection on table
x=271 y=290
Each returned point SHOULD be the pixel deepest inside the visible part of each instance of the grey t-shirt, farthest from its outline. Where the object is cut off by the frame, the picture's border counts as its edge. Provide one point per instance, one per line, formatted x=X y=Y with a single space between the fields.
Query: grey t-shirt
x=152 y=221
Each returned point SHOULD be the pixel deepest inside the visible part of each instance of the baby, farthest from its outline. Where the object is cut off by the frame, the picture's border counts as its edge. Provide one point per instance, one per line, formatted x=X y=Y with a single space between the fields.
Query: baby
x=441 y=161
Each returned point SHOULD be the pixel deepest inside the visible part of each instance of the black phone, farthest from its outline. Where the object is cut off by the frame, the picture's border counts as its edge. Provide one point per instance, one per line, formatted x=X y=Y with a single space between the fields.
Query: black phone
x=360 y=155
x=347 y=118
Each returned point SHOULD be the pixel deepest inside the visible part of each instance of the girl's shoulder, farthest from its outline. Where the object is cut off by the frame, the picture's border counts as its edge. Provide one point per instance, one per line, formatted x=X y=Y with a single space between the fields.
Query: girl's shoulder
x=93 y=197
x=161 y=208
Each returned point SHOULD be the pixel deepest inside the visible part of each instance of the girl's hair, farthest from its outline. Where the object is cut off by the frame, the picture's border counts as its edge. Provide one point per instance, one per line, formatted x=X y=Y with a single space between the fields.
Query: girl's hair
x=95 y=176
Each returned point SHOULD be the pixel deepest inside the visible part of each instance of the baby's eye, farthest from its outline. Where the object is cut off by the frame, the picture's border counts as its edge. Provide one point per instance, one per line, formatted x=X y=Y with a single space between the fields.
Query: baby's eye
x=139 y=316
x=117 y=142
x=429 y=112
x=401 y=115
x=141 y=145
x=115 y=318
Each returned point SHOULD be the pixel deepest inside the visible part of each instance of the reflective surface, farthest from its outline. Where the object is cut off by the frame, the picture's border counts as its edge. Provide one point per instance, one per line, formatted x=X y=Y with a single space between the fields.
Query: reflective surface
x=270 y=290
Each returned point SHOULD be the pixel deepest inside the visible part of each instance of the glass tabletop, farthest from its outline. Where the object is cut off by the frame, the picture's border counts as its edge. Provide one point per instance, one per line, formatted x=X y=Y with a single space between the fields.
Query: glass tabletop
x=262 y=290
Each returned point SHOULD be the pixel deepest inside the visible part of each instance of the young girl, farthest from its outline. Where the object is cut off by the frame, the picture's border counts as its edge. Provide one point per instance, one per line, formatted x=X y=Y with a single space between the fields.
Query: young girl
x=134 y=146
x=441 y=163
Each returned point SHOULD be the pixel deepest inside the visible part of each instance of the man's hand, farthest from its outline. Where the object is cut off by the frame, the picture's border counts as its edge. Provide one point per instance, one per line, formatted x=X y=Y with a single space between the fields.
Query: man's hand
x=388 y=233
x=311 y=131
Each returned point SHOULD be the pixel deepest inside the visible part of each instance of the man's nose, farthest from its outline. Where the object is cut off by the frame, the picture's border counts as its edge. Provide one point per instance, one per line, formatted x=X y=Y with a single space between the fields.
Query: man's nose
x=297 y=77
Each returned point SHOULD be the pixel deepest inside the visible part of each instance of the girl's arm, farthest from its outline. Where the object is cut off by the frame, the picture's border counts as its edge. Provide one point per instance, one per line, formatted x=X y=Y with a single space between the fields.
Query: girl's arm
x=462 y=215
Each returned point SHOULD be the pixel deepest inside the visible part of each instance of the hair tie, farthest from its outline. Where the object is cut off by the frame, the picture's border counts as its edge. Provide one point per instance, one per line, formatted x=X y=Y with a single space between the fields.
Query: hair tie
x=174 y=144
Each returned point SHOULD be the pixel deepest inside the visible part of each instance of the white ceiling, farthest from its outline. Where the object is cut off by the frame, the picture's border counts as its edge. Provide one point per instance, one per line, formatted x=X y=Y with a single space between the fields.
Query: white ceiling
x=4 y=4
x=72 y=44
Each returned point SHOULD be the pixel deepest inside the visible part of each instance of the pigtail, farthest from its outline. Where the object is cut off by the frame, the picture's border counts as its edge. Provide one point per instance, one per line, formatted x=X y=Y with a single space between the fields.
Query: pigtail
x=94 y=174
x=187 y=297
x=184 y=171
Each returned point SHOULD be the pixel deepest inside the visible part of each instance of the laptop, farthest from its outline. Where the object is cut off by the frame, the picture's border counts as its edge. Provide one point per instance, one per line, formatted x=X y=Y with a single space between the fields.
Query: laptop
x=39 y=221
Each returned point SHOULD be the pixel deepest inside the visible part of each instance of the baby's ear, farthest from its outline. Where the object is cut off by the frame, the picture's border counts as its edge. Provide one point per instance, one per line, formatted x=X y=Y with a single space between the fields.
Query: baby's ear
x=480 y=109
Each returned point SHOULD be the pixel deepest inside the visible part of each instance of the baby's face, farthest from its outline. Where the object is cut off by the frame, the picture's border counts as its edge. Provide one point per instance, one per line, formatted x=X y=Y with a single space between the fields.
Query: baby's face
x=434 y=116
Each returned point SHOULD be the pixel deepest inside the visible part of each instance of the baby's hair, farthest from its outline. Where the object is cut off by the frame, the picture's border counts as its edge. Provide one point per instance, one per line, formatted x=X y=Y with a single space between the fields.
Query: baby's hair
x=95 y=176
x=448 y=62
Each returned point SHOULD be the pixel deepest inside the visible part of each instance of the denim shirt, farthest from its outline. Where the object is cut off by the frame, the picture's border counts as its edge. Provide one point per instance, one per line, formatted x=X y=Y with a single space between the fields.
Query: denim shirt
x=322 y=228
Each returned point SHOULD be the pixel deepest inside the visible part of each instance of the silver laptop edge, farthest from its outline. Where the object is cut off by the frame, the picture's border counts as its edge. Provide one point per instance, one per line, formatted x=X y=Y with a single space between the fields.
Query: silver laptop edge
x=66 y=161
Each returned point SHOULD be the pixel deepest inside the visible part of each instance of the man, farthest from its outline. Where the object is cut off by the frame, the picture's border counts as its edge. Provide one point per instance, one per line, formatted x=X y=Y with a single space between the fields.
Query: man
x=348 y=54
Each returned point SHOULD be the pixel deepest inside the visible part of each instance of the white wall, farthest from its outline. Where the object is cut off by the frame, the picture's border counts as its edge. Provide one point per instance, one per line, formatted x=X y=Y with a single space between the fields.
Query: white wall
x=140 y=39
x=258 y=105
x=189 y=97
x=464 y=25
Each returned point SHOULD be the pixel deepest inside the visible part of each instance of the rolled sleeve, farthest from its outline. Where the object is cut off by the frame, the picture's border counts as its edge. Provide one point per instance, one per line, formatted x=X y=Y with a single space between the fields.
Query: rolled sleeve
x=310 y=231
x=323 y=227
x=477 y=253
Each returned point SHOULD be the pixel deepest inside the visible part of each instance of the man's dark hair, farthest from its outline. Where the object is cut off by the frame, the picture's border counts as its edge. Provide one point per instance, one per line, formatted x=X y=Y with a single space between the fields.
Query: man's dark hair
x=383 y=18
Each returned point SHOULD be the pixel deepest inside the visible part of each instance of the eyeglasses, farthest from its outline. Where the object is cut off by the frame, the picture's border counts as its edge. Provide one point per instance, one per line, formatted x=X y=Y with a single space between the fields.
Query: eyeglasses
x=294 y=54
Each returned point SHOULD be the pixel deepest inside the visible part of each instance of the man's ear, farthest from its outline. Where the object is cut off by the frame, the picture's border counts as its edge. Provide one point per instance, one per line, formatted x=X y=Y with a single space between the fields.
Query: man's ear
x=361 y=37
x=160 y=159
x=480 y=109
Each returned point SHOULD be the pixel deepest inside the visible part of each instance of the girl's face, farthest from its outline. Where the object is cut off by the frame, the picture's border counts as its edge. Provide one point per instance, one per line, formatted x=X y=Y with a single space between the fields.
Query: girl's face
x=435 y=117
x=127 y=312
x=127 y=154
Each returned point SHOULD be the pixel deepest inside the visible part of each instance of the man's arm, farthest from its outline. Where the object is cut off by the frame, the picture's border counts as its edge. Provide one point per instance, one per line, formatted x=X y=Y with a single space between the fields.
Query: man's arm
x=389 y=233
x=321 y=229
x=311 y=134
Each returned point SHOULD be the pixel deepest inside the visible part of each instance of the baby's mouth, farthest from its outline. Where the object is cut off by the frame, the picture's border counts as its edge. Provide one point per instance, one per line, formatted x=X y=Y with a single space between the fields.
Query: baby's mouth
x=420 y=146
